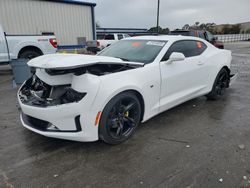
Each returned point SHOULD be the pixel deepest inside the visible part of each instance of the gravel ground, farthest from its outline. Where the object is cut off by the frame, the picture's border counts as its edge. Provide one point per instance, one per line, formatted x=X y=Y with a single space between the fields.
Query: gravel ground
x=197 y=144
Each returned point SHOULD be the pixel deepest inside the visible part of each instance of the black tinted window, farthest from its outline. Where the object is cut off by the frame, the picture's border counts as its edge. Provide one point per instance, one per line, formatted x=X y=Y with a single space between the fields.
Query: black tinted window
x=109 y=37
x=120 y=36
x=209 y=36
x=183 y=33
x=201 y=35
x=189 y=48
x=100 y=36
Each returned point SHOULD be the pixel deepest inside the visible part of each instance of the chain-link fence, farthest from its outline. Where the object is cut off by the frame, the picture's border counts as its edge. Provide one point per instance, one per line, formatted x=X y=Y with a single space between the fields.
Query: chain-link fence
x=233 y=37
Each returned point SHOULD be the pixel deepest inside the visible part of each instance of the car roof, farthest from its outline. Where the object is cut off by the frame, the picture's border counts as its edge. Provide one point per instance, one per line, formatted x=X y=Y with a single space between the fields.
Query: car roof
x=164 y=38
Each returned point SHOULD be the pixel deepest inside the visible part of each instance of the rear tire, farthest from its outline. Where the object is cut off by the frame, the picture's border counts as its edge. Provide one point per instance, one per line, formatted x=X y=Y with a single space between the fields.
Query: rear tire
x=220 y=84
x=120 y=118
x=29 y=54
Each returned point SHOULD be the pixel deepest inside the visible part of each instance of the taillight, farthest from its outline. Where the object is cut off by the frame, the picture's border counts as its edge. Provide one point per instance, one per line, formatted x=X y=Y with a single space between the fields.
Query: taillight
x=53 y=42
x=98 y=43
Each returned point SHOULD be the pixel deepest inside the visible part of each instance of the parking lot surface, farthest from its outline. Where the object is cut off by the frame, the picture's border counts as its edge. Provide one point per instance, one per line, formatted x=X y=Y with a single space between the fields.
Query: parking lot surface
x=197 y=144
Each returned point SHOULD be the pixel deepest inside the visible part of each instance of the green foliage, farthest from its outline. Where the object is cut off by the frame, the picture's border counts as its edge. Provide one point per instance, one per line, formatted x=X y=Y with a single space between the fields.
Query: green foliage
x=212 y=27
x=186 y=27
x=208 y=27
x=201 y=26
x=161 y=30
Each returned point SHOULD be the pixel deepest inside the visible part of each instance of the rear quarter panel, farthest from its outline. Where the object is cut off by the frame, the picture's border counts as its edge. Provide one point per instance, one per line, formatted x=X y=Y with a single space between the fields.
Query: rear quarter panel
x=215 y=60
x=16 y=43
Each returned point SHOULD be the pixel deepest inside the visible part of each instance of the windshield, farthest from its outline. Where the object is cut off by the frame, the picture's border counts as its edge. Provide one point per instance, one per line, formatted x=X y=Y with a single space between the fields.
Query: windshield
x=144 y=51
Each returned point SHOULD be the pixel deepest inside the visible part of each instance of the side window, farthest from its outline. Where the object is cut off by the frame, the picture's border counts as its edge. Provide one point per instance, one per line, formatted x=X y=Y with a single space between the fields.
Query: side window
x=201 y=35
x=100 y=36
x=120 y=36
x=189 y=48
x=201 y=47
x=109 y=37
x=192 y=33
x=126 y=36
x=209 y=36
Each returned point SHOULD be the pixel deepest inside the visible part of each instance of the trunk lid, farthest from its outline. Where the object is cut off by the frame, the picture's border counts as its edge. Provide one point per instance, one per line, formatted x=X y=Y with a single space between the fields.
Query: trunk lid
x=70 y=61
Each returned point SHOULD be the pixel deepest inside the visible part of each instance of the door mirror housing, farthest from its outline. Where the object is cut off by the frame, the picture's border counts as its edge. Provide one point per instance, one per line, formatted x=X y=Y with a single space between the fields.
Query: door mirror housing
x=176 y=56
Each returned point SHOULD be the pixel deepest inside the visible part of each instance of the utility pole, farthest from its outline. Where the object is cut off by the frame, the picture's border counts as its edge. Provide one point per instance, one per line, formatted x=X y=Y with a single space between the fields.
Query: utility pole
x=158 y=15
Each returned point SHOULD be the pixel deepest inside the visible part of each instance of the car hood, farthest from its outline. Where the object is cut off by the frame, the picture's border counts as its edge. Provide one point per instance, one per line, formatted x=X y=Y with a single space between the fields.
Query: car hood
x=66 y=61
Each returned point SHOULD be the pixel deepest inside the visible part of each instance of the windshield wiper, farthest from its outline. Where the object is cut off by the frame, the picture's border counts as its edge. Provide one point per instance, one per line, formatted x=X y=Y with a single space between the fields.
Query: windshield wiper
x=123 y=59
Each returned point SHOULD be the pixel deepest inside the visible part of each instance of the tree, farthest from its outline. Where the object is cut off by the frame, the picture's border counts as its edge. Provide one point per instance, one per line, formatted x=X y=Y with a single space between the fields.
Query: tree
x=202 y=26
x=161 y=30
x=186 y=27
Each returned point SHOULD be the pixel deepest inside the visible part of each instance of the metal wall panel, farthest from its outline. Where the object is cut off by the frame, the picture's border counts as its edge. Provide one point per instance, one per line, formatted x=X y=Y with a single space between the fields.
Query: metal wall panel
x=67 y=21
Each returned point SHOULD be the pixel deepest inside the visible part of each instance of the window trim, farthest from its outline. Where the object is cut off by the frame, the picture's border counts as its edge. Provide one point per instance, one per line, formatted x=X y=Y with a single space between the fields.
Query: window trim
x=162 y=59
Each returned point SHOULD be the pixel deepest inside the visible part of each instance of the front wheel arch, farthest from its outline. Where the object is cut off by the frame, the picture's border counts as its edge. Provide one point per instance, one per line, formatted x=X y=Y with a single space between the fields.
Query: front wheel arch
x=140 y=97
x=136 y=92
x=103 y=133
x=227 y=69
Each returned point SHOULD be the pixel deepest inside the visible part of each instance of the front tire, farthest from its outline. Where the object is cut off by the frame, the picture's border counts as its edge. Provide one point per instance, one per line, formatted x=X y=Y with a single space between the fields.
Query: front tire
x=120 y=118
x=220 y=84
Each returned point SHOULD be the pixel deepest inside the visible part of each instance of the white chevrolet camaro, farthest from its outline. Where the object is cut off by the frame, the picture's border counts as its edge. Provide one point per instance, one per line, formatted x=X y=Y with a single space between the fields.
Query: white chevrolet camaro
x=86 y=98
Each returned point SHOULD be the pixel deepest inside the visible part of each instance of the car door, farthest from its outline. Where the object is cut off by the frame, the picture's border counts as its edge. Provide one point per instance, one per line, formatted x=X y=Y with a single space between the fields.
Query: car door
x=4 y=56
x=183 y=80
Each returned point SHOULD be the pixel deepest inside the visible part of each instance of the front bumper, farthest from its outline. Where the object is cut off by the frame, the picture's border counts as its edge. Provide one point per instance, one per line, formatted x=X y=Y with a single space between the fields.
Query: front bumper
x=73 y=121
x=46 y=126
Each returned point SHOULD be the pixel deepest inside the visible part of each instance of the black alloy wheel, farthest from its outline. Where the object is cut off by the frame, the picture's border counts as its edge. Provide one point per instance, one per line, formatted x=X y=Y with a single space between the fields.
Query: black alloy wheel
x=120 y=118
x=221 y=83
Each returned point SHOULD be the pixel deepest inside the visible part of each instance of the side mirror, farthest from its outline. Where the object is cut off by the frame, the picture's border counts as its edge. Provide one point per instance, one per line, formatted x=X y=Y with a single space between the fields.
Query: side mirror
x=175 y=56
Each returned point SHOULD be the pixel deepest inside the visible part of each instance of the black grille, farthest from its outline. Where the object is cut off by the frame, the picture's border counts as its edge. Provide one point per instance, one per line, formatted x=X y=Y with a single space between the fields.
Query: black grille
x=35 y=123
x=43 y=125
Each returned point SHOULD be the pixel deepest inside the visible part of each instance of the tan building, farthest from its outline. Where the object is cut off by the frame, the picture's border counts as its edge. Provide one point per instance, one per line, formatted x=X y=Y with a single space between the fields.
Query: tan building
x=245 y=27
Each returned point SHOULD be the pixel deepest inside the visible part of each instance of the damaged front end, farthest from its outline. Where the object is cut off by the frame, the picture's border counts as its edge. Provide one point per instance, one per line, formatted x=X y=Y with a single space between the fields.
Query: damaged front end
x=56 y=86
x=35 y=92
x=57 y=100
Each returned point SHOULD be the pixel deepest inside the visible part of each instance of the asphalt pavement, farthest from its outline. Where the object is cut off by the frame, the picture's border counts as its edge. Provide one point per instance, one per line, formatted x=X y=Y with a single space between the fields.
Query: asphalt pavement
x=203 y=144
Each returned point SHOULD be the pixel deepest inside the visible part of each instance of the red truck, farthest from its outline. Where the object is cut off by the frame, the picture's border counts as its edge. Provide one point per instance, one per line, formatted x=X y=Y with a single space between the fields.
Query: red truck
x=201 y=34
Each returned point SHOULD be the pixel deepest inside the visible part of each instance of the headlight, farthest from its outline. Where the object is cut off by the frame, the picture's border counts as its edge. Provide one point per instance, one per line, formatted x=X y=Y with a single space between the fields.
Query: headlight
x=36 y=92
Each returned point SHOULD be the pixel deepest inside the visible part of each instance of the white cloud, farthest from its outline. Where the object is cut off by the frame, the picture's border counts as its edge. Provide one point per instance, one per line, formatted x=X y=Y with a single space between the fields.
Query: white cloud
x=173 y=13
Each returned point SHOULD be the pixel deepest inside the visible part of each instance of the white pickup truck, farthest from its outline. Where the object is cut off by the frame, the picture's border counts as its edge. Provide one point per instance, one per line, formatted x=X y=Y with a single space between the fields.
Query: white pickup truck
x=104 y=40
x=25 y=46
